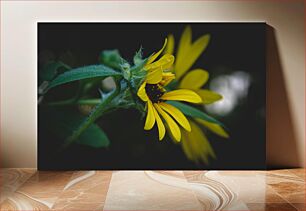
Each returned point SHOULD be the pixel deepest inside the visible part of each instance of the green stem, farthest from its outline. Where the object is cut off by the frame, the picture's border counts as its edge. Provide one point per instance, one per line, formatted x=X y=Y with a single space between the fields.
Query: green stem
x=94 y=115
x=93 y=101
x=71 y=101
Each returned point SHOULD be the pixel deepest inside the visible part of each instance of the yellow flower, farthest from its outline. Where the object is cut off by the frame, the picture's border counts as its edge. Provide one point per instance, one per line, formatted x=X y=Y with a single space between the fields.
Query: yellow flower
x=195 y=144
x=153 y=93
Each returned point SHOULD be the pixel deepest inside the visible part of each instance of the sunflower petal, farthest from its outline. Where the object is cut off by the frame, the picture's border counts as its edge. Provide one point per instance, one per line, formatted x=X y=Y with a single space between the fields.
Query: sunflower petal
x=176 y=114
x=166 y=62
x=201 y=137
x=182 y=95
x=196 y=144
x=194 y=79
x=167 y=78
x=142 y=92
x=155 y=55
x=186 y=146
x=160 y=125
x=194 y=51
x=174 y=128
x=208 y=96
x=155 y=76
x=215 y=128
x=170 y=45
x=183 y=49
x=150 y=120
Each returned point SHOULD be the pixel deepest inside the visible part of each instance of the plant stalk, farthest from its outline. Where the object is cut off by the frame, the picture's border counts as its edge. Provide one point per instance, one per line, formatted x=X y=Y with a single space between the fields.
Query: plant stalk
x=94 y=115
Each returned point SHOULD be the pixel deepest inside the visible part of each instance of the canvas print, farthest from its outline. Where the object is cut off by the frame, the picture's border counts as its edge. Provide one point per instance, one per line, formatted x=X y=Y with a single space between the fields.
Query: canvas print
x=151 y=96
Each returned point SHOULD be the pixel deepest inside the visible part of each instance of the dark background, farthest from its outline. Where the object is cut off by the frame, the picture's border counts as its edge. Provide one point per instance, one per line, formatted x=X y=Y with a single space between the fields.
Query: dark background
x=233 y=47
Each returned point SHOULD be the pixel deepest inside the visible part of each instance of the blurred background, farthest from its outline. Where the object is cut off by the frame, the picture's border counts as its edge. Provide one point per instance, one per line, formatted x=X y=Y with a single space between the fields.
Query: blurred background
x=235 y=59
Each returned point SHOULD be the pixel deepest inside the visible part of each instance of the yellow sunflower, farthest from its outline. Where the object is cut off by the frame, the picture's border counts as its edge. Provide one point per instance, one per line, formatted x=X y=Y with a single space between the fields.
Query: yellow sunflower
x=195 y=144
x=153 y=93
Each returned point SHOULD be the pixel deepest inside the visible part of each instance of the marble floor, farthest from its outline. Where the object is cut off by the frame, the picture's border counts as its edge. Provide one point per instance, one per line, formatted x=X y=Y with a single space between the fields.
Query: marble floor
x=28 y=189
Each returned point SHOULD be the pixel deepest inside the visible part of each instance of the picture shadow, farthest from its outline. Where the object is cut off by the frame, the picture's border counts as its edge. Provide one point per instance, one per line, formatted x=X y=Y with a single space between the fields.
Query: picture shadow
x=281 y=146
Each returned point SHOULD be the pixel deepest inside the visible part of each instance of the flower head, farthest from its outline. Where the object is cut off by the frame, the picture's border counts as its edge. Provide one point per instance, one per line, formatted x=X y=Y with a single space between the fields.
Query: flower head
x=152 y=91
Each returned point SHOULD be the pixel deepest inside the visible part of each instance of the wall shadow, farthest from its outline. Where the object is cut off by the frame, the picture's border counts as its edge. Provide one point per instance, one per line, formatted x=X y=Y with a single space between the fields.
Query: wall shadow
x=281 y=146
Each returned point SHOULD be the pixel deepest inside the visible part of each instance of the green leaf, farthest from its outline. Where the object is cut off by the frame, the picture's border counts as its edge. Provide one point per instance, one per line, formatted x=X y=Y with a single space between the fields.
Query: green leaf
x=193 y=112
x=94 y=137
x=138 y=57
x=91 y=71
x=137 y=68
x=112 y=58
x=138 y=74
x=62 y=122
x=93 y=116
x=51 y=69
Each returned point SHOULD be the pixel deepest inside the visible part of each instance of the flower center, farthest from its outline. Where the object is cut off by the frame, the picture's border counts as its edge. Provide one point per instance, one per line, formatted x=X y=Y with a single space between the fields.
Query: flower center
x=154 y=92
